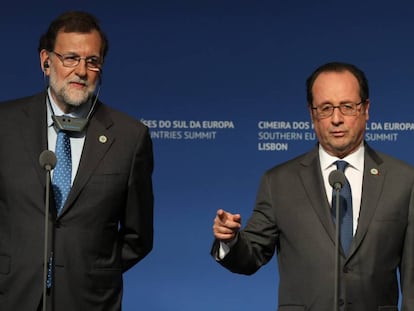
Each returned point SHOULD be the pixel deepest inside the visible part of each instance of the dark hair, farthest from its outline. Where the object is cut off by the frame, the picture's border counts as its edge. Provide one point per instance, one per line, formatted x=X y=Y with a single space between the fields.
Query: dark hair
x=338 y=67
x=72 y=21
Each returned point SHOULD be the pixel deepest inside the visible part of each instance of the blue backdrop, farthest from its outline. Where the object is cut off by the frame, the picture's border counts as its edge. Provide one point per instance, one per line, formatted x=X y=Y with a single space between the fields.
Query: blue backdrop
x=221 y=84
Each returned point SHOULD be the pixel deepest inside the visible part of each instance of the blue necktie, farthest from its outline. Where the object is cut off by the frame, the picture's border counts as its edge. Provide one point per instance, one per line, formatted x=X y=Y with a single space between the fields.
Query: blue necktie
x=345 y=210
x=62 y=174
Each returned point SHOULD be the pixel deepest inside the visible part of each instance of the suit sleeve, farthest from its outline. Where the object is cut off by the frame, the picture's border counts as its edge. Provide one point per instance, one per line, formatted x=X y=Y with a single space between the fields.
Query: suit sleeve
x=137 y=225
x=256 y=243
x=407 y=263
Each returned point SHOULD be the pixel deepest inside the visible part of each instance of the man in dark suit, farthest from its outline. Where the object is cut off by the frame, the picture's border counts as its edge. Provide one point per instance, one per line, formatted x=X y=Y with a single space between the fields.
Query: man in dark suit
x=293 y=213
x=105 y=226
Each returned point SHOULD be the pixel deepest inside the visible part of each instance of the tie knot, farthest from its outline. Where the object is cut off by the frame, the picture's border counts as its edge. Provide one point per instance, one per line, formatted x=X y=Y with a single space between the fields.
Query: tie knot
x=341 y=165
x=62 y=133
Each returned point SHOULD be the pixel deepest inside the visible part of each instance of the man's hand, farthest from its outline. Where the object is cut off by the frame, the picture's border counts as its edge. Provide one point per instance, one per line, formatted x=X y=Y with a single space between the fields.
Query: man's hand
x=226 y=225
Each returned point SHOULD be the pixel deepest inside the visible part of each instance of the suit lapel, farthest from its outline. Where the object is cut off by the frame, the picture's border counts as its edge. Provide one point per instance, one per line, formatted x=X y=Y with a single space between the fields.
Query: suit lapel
x=34 y=132
x=373 y=180
x=97 y=142
x=314 y=186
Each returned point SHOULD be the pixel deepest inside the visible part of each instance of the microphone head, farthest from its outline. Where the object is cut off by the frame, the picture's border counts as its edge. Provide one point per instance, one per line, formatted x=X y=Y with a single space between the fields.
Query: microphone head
x=337 y=179
x=47 y=160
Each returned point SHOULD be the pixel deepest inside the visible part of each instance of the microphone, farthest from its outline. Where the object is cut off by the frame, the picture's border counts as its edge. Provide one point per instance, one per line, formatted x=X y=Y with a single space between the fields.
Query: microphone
x=337 y=180
x=47 y=161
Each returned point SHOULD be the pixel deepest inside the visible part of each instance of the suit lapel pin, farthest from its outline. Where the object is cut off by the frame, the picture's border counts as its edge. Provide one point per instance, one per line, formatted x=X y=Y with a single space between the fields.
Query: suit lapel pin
x=103 y=139
x=374 y=171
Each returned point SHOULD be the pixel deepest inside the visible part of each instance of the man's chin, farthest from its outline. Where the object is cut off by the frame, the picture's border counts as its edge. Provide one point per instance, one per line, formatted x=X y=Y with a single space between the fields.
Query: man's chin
x=337 y=149
x=74 y=105
x=77 y=98
x=75 y=102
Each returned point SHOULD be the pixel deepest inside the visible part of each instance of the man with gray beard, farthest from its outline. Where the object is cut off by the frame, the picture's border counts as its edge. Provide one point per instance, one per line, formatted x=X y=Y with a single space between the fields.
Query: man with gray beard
x=101 y=199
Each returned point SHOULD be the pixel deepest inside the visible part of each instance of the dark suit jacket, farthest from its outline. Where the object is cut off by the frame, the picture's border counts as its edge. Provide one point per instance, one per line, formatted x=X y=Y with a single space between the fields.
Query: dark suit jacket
x=292 y=216
x=107 y=223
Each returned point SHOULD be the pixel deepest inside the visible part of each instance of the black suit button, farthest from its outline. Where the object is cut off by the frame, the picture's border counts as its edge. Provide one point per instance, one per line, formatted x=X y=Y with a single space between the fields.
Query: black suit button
x=341 y=302
x=345 y=269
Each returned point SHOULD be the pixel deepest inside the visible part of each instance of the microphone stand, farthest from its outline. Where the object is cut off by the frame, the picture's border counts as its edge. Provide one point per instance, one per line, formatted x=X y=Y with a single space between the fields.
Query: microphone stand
x=47 y=160
x=46 y=230
x=336 y=294
x=337 y=179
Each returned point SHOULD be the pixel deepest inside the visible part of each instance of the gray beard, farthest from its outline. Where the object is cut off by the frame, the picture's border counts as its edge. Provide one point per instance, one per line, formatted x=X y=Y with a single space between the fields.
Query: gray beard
x=70 y=104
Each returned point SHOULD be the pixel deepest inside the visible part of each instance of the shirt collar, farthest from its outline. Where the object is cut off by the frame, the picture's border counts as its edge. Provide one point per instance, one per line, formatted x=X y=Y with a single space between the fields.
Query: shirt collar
x=355 y=159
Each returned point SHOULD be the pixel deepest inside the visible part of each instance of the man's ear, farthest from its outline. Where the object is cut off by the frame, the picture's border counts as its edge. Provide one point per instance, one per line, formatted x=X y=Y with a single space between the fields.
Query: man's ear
x=44 y=62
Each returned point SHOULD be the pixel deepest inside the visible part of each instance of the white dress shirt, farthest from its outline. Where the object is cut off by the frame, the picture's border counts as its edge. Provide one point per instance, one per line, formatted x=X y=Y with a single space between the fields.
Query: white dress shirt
x=76 y=141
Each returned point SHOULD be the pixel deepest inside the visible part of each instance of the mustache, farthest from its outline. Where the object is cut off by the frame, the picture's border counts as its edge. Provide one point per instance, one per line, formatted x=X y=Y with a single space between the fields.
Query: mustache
x=79 y=81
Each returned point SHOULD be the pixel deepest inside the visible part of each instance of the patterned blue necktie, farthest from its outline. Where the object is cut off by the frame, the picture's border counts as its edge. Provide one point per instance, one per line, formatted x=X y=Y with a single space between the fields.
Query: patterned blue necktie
x=345 y=210
x=62 y=174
